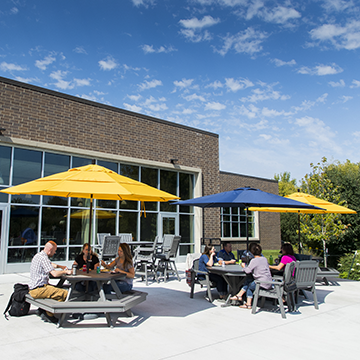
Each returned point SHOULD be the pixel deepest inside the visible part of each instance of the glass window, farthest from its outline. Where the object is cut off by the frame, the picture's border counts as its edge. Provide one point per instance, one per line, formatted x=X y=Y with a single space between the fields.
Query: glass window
x=21 y=255
x=23 y=226
x=187 y=234
x=109 y=165
x=132 y=172
x=79 y=227
x=4 y=197
x=53 y=226
x=27 y=167
x=128 y=223
x=168 y=183
x=234 y=225
x=79 y=161
x=149 y=176
x=105 y=222
x=55 y=163
x=148 y=227
x=5 y=158
x=186 y=190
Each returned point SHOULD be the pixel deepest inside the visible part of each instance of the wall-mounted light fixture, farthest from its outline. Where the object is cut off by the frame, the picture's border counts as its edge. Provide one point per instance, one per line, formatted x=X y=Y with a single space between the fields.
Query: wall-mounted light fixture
x=174 y=161
x=2 y=130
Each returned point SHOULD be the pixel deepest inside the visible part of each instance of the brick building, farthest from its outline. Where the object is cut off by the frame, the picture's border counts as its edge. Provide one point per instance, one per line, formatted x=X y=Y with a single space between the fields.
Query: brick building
x=44 y=132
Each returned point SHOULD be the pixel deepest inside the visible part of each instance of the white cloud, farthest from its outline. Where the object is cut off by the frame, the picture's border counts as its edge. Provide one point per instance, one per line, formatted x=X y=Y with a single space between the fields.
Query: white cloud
x=307 y=104
x=247 y=41
x=340 y=83
x=43 y=64
x=148 y=49
x=337 y=5
x=321 y=70
x=158 y=107
x=355 y=84
x=108 y=64
x=64 y=84
x=267 y=93
x=14 y=10
x=318 y=133
x=4 y=66
x=215 y=106
x=184 y=83
x=280 y=14
x=133 y=108
x=193 y=28
x=341 y=37
x=280 y=63
x=26 y=80
x=80 y=50
x=195 y=23
x=144 y=3
x=194 y=97
x=215 y=85
x=134 y=97
x=149 y=84
x=345 y=98
x=235 y=85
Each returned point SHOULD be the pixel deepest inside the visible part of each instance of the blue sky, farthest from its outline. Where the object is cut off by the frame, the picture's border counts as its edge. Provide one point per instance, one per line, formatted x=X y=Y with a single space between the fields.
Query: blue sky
x=279 y=81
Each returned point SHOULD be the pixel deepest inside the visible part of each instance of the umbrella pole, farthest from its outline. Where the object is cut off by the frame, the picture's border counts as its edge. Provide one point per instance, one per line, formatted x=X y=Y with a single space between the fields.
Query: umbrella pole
x=299 y=233
x=90 y=226
x=247 y=230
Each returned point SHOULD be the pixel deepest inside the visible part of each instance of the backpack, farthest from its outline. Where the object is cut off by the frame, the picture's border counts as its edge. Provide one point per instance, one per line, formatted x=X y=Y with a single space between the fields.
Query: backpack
x=17 y=305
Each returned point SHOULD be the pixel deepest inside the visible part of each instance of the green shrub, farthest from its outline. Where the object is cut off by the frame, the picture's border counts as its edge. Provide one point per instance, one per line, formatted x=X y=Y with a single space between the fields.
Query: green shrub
x=348 y=261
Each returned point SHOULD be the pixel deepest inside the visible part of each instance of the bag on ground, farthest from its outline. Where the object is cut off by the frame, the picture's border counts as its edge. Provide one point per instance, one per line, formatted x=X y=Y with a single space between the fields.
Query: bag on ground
x=17 y=305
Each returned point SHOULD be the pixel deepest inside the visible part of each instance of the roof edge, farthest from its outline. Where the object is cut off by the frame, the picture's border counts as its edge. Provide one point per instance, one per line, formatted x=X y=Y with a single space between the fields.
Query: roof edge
x=248 y=176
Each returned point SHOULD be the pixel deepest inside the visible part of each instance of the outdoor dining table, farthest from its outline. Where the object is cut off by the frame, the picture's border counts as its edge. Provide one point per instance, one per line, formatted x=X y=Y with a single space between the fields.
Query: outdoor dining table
x=100 y=280
x=233 y=274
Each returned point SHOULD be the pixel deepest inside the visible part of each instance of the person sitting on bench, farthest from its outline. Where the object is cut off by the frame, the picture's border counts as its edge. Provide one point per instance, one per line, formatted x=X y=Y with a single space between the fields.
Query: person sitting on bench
x=39 y=287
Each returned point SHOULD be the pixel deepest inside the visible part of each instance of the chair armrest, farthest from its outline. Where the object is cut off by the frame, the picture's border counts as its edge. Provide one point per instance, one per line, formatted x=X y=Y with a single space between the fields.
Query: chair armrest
x=269 y=282
x=200 y=272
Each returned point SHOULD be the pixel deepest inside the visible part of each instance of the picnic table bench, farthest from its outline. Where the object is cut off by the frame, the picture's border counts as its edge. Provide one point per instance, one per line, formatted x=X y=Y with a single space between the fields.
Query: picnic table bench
x=123 y=305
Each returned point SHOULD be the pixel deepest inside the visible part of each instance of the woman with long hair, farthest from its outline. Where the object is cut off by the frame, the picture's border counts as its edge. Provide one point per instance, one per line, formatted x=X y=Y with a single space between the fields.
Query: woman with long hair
x=123 y=264
x=80 y=261
x=208 y=258
x=287 y=257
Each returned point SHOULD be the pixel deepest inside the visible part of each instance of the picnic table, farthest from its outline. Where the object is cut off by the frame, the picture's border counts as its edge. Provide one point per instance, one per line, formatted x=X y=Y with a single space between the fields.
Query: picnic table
x=120 y=302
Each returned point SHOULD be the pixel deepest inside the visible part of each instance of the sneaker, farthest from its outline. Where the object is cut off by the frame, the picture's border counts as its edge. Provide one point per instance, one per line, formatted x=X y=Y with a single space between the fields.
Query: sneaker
x=47 y=318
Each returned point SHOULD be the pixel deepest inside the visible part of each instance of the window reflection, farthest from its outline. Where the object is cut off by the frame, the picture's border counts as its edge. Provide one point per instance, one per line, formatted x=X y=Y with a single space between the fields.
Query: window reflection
x=149 y=176
x=23 y=226
x=53 y=225
x=187 y=233
x=128 y=223
x=186 y=190
x=168 y=183
x=21 y=255
x=148 y=227
x=5 y=157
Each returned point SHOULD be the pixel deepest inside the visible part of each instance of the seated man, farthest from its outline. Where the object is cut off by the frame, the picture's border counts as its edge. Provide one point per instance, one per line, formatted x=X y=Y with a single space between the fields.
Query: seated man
x=39 y=287
x=28 y=236
x=226 y=253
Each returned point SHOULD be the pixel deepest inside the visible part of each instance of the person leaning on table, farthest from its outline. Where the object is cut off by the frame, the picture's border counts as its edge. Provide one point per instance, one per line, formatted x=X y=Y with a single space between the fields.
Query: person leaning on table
x=123 y=264
x=39 y=287
x=226 y=253
x=208 y=258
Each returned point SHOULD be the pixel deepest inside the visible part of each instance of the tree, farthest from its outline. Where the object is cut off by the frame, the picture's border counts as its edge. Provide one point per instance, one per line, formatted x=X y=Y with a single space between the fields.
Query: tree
x=288 y=221
x=322 y=228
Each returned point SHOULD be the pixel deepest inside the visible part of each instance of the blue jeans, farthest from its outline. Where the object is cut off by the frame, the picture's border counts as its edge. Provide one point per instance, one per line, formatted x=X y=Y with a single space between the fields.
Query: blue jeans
x=122 y=285
x=249 y=288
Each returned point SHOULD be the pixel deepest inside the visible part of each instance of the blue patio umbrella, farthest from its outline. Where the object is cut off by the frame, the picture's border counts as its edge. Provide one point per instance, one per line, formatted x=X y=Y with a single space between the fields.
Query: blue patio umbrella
x=244 y=197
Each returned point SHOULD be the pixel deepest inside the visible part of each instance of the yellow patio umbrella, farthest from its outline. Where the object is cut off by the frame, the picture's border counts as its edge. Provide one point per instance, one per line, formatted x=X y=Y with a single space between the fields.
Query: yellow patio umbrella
x=92 y=182
x=328 y=207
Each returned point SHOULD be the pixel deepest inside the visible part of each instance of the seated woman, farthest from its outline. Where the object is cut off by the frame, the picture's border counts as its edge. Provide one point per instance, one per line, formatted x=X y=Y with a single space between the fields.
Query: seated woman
x=123 y=264
x=208 y=258
x=80 y=261
x=288 y=257
x=259 y=269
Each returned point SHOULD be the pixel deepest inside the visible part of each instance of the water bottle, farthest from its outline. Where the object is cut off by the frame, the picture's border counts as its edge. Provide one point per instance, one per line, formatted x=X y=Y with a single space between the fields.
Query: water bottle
x=271 y=261
x=74 y=269
x=98 y=270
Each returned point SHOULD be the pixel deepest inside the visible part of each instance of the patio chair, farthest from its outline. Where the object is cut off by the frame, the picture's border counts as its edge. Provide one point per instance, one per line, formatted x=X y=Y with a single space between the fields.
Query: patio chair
x=201 y=278
x=166 y=262
x=125 y=237
x=305 y=277
x=144 y=261
x=100 y=241
x=110 y=247
x=277 y=291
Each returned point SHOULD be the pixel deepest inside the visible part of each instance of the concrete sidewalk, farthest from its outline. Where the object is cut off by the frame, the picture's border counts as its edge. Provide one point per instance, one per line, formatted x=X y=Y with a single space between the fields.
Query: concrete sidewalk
x=170 y=325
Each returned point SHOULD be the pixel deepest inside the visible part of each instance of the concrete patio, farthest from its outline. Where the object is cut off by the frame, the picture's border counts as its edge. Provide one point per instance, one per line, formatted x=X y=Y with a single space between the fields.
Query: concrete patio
x=170 y=325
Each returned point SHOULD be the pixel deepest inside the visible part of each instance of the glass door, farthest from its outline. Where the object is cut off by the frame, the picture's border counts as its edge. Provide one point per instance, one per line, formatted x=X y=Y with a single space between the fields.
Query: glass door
x=169 y=224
